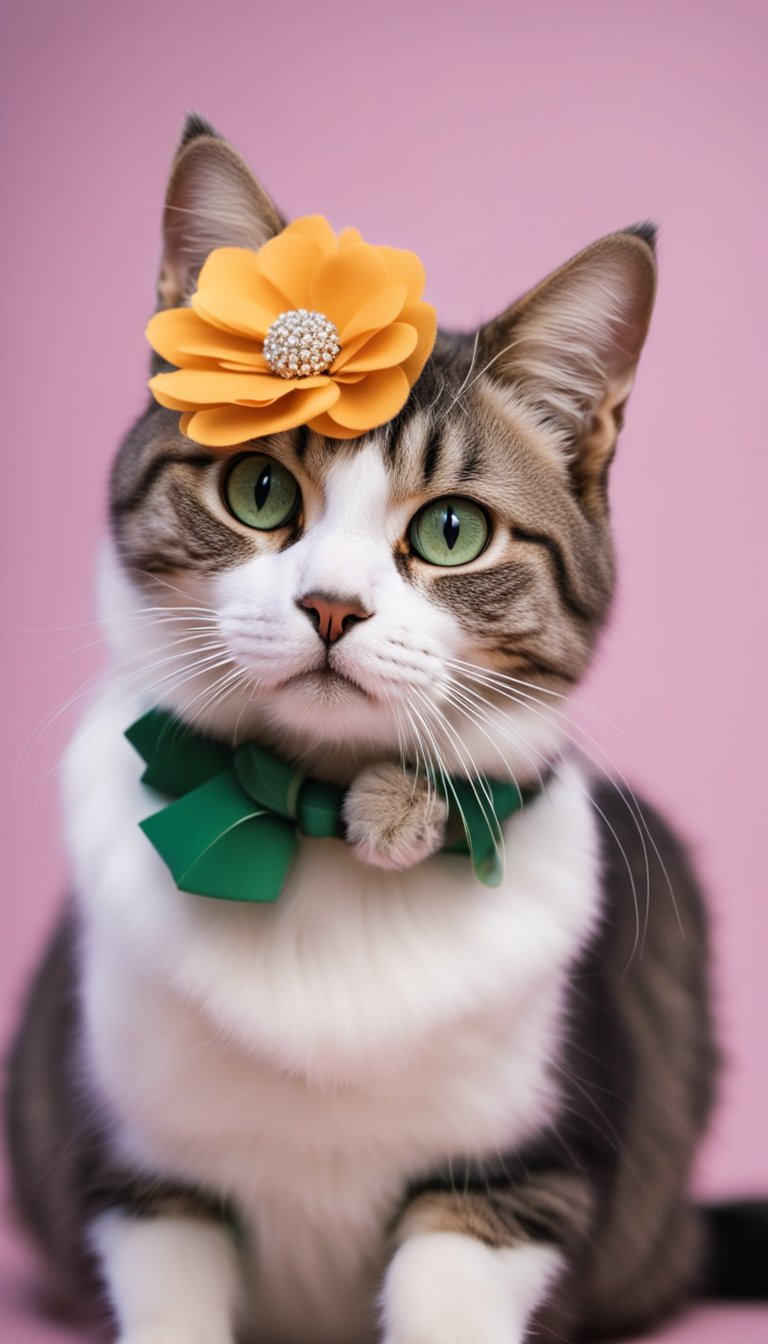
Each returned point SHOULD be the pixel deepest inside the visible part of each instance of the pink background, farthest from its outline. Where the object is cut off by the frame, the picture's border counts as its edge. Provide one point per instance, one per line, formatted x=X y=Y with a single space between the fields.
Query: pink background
x=495 y=139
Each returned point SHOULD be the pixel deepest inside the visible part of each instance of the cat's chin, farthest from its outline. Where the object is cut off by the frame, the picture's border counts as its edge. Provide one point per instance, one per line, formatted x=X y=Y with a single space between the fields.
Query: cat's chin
x=326 y=689
x=330 y=723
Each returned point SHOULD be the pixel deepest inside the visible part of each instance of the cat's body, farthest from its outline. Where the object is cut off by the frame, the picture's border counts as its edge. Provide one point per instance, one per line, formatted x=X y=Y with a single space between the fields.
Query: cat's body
x=432 y=1109
x=314 y=1062
x=353 y=1039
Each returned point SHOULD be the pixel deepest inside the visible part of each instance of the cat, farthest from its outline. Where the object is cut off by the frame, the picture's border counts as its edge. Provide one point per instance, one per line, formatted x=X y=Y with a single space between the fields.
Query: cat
x=395 y=1104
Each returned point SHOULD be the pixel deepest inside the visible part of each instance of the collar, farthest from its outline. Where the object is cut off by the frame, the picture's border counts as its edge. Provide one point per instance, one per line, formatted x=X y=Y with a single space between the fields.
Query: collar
x=233 y=830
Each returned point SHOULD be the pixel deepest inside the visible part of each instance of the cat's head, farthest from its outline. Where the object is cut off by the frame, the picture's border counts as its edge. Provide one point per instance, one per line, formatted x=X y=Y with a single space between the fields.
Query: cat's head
x=432 y=588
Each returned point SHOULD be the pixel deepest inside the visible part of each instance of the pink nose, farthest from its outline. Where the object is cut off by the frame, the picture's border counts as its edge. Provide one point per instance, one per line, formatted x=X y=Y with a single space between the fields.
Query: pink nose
x=332 y=616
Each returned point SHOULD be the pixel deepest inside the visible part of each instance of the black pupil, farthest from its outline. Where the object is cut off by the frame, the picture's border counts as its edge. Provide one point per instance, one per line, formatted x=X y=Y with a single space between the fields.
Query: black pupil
x=450 y=528
x=263 y=487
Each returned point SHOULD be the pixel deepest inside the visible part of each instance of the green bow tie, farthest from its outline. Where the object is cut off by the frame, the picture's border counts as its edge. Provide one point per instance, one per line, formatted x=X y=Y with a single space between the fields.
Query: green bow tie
x=234 y=828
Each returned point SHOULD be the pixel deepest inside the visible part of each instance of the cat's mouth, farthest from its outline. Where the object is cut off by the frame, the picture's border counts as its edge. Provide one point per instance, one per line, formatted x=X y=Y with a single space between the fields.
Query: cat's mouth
x=327 y=685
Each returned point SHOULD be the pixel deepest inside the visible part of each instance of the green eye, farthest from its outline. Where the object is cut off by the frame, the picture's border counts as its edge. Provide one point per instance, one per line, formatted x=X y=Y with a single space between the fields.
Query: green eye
x=449 y=531
x=261 y=493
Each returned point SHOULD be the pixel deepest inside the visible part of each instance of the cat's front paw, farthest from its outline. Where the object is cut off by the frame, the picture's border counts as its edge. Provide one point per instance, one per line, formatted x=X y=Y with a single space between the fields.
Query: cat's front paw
x=449 y=1289
x=393 y=819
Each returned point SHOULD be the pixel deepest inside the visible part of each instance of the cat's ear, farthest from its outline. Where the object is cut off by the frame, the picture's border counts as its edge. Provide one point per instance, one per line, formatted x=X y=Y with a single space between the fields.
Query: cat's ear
x=213 y=200
x=570 y=348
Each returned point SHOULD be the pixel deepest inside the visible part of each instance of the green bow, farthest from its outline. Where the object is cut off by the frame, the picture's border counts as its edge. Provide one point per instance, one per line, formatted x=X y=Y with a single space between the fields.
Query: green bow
x=233 y=830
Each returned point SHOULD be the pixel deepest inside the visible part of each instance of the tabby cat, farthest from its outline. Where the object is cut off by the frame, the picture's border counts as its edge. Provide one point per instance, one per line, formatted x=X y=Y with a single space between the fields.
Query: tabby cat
x=396 y=1104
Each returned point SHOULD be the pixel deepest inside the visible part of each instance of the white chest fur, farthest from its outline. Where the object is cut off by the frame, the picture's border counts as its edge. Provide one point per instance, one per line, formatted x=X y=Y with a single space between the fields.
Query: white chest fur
x=309 y=1058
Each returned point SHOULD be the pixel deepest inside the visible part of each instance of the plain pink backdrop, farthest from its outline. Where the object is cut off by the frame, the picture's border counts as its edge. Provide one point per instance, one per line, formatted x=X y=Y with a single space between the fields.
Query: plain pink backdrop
x=495 y=139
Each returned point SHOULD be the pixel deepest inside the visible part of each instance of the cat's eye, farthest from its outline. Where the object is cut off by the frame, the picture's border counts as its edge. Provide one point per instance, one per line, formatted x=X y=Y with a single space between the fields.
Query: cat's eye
x=450 y=531
x=261 y=493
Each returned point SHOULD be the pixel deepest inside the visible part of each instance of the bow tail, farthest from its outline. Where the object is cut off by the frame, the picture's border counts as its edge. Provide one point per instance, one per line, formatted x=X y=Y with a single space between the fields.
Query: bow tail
x=217 y=844
x=483 y=837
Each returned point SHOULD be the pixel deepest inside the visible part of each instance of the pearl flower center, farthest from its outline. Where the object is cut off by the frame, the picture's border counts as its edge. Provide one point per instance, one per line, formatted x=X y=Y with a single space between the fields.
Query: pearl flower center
x=300 y=344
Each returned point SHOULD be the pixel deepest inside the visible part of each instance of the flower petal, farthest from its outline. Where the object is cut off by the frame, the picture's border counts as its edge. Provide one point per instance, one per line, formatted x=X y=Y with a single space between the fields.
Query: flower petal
x=194 y=362
x=343 y=377
x=349 y=236
x=375 y=313
x=166 y=332
x=404 y=268
x=257 y=364
x=293 y=384
x=372 y=401
x=214 y=387
x=289 y=262
x=164 y=397
x=228 y=426
x=318 y=229
x=178 y=333
x=423 y=317
x=233 y=312
x=237 y=269
x=346 y=281
x=323 y=424
x=381 y=350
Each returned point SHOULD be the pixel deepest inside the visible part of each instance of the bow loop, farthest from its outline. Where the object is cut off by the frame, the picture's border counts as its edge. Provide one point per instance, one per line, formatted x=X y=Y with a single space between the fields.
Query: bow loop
x=176 y=758
x=268 y=780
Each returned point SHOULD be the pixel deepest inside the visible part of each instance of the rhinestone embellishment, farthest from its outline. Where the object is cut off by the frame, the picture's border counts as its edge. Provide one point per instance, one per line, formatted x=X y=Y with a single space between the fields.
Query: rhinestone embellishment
x=301 y=343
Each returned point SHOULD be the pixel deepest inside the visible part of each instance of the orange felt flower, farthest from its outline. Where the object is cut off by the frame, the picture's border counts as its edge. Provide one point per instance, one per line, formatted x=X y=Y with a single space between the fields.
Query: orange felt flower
x=313 y=329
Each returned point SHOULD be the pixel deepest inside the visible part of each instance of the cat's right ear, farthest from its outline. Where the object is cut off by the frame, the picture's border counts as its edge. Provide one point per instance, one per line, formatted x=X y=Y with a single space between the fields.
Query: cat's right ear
x=213 y=200
x=570 y=347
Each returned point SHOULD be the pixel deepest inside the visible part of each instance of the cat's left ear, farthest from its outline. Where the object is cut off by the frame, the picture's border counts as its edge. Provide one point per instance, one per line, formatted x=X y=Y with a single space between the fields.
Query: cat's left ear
x=213 y=200
x=570 y=348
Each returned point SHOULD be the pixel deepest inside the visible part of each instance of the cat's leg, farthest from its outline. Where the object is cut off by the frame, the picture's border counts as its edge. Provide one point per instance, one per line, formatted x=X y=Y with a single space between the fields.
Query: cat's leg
x=394 y=818
x=475 y=1266
x=170 y=1279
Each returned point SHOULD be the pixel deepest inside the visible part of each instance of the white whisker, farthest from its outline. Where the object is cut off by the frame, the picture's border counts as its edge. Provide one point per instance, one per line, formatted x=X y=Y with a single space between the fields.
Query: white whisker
x=458 y=395
x=635 y=812
x=470 y=768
